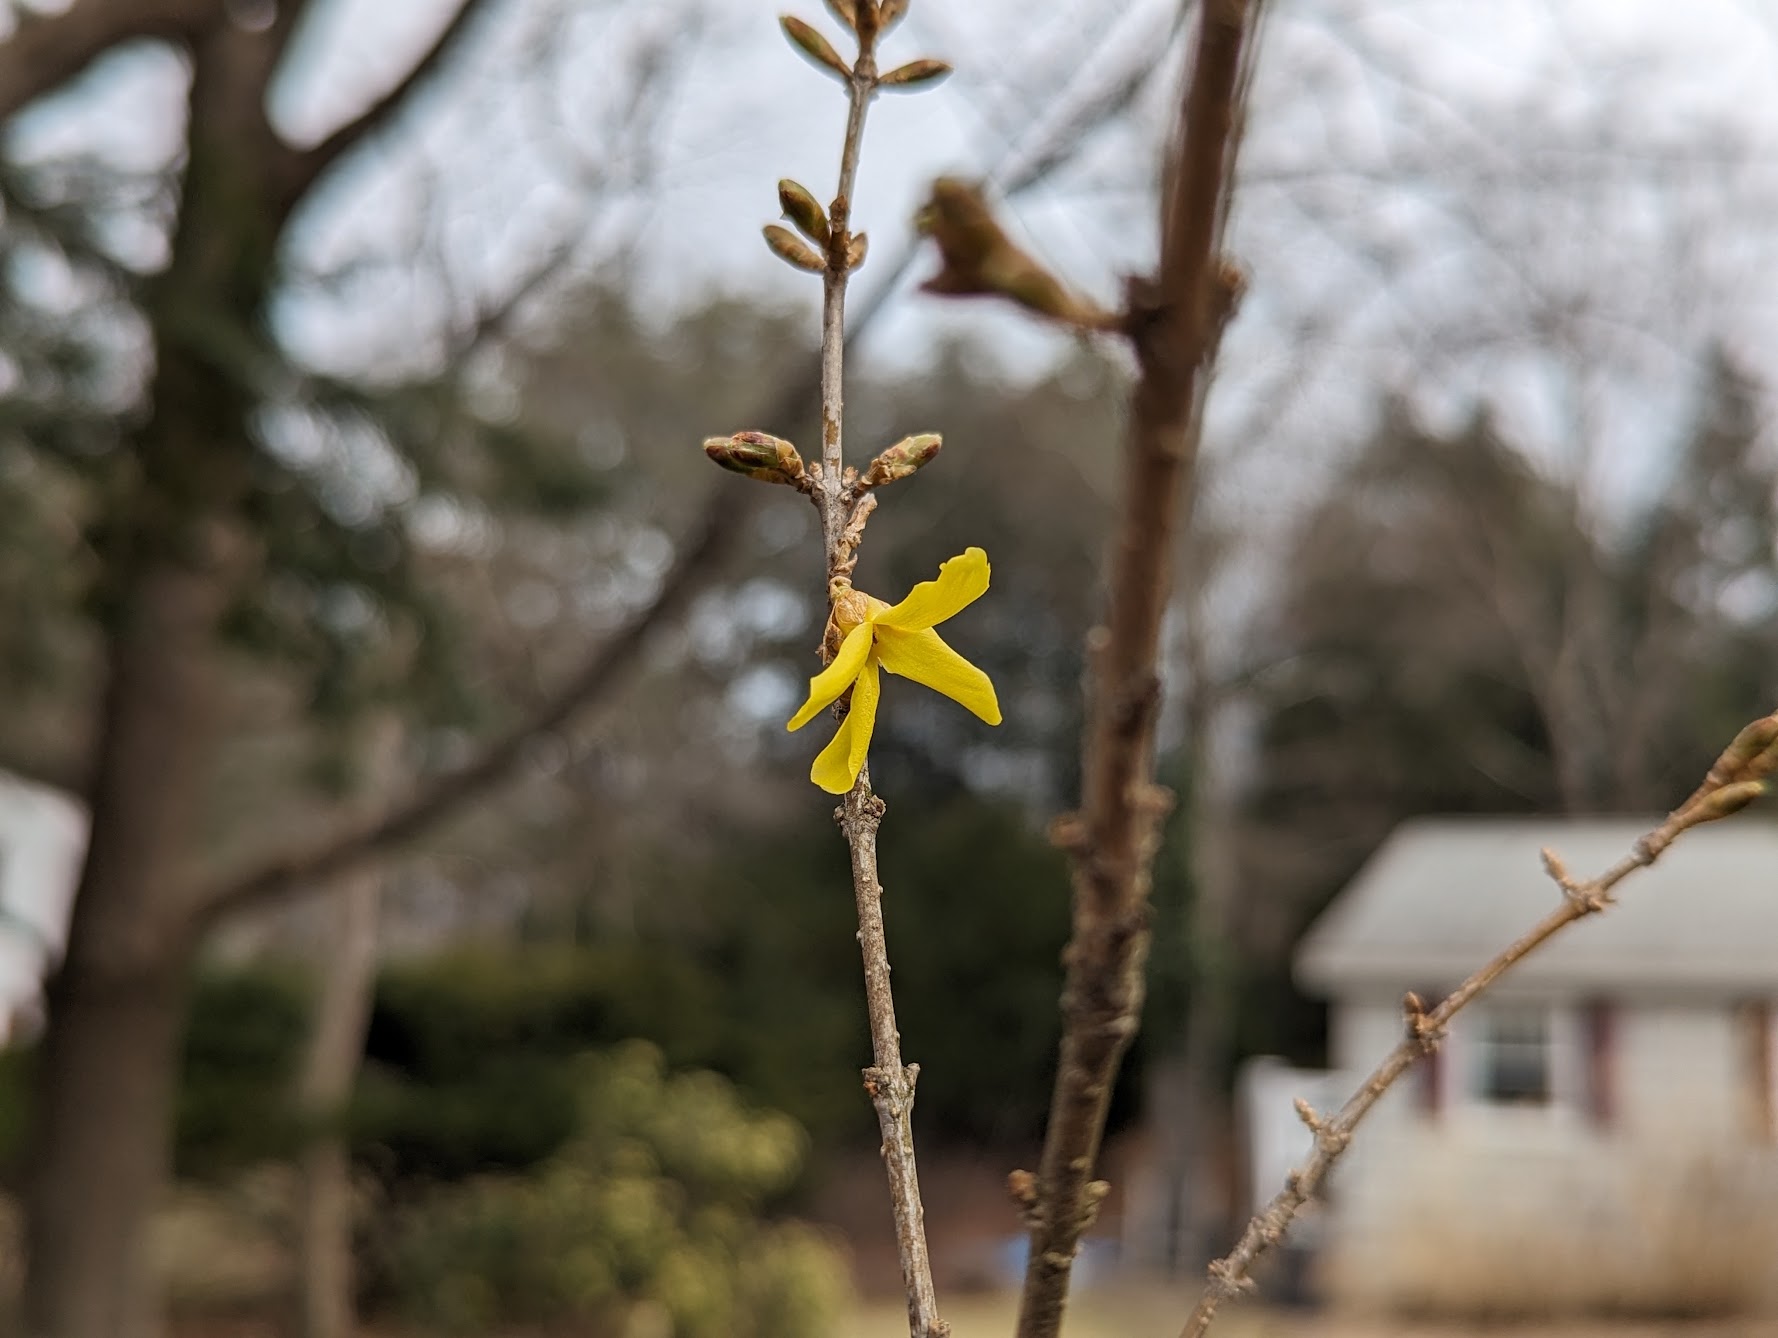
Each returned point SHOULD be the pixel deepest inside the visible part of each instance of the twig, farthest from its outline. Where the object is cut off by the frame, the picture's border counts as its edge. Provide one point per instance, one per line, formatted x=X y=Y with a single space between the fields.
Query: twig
x=298 y=169
x=46 y=51
x=1174 y=323
x=1737 y=778
x=356 y=841
x=889 y=1082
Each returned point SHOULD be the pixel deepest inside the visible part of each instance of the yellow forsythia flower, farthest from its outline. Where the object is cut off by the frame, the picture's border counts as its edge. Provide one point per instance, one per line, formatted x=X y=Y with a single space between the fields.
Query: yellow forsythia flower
x=899 y=638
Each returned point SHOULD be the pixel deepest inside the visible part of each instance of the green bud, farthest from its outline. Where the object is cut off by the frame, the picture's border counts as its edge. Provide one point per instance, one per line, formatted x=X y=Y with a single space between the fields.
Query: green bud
x=1722 y=802
x=902 y=459
x=758 y=455
x=787 y=246
x=914 y=74
x=1751 y=755
x=804 y=210
x=978 y=258
x=813 y=45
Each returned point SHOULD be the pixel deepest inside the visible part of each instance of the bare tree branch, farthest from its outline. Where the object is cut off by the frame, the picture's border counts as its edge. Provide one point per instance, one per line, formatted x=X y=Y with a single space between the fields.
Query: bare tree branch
x=45 y=52
x=338 y=851
x=278 y=876
x=300 y=168
x=1174 y=322
x=1738 y=777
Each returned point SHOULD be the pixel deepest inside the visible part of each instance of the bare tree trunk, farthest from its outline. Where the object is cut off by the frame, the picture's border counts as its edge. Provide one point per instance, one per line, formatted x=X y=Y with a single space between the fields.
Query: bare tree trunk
x=336 y=1048
x=109 y=1061
x=343 y=1010
x=103 y=1121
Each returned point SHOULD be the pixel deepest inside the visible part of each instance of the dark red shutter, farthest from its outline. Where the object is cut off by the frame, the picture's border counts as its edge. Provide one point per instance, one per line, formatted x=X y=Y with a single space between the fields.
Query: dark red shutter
x=1756 y=1029
x=1599 y=1037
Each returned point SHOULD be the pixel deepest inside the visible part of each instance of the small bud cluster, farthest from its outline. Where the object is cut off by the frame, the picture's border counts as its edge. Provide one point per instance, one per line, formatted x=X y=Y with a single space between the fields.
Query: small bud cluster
x=818 y=242
x=759 y=455
x=867 y=19
x=977 y=258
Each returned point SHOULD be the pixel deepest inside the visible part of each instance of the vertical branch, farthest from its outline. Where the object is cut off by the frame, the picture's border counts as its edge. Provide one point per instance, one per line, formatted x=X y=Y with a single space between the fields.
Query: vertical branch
x=1174 y=322
x=888 y=1081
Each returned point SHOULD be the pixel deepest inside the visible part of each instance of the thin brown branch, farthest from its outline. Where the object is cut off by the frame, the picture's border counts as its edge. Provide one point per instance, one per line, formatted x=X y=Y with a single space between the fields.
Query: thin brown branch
x=355 y=843
x=1738 y=777
x=300 y=168
x=46 y=51
x=1174 y=322
x=889 y=1082
x=352 y=845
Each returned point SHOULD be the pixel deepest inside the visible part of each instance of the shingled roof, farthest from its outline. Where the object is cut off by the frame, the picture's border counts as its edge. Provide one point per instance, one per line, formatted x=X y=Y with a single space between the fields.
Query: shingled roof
x=1443 y=895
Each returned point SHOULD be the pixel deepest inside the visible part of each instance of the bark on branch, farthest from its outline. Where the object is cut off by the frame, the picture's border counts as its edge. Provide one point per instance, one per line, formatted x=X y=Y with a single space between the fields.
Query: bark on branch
x=45 y=52
x=349 y=847
x=1738 y=777
x=888 y=1082
x=1174 y=322
x=301 y=168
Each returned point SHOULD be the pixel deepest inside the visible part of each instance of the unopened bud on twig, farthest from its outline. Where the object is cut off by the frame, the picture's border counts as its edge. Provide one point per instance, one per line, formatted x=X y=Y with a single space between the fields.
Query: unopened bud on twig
x=855 y=251
x=844 y=11
x=758 y=455
x=915 y=74
x=901 y=459
x=889 y=12
x=806 y=39
x=1752 y=755
x=804 y=210
x=787 y=246
x=979 y=258
x=1722 y=802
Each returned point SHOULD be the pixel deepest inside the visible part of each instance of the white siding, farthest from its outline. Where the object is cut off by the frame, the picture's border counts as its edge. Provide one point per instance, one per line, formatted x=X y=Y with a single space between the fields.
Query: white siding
x=42 y=841
x=1670 y=1206
x=1682 y=1070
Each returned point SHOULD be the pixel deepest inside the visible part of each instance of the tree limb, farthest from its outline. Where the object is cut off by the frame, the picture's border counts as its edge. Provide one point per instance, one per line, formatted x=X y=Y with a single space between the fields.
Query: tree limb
x=1174 y=322
x=355 y=842
x=46 y=51
x=1738 y=777
x=301 y=168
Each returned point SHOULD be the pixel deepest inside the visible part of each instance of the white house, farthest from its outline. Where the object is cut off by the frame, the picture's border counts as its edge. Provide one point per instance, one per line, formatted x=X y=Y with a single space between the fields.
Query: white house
x=1600 y=1132
x=42 y=841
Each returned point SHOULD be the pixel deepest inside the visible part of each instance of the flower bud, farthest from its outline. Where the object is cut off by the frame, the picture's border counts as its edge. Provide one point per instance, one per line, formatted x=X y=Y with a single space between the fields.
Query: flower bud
x=1750 y=755
x=1723 y=802
x=806 y=39
x=855 y=251
x=979 y=258
x=914 y=74
x=901 y=459
x=758 y=455
x=804 y=210
x=788 y=247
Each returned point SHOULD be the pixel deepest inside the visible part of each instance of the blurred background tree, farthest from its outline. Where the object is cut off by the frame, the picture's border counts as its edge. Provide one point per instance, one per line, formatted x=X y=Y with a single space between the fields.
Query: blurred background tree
x=303 y=433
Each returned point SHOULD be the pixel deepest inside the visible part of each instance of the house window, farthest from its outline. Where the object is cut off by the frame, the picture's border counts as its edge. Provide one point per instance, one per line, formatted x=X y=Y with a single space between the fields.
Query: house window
x=1515 y=1057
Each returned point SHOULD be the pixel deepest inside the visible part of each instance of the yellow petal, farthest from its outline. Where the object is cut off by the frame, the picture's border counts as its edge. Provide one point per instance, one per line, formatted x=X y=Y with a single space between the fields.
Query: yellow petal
x=961 y=582
x=825 y=688
x=837 y=766
x=925 y=658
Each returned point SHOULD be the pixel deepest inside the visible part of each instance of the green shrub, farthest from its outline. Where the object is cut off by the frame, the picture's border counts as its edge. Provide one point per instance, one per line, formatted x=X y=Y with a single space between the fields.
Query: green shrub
x=243 y=1041
x=653 y=1208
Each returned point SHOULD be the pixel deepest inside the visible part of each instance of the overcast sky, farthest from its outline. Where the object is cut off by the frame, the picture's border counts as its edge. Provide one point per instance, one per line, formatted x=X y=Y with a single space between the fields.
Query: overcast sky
x=1545 y=205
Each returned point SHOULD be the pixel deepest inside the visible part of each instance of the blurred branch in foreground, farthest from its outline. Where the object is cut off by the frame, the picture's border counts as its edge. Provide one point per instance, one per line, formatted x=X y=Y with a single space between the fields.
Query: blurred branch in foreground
x=1738 y=777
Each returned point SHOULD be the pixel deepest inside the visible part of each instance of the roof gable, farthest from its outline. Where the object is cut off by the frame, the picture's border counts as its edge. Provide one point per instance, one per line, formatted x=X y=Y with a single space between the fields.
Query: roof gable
x=1443 y=895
